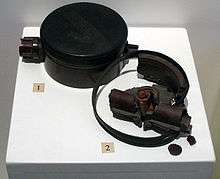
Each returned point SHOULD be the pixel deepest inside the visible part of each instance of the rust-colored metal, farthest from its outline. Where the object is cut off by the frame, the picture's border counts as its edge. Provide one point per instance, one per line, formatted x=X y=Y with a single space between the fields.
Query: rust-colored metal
x=191 y=139
x=122 y=100
x=152 y=107
x=175 y=149
x=31 y=50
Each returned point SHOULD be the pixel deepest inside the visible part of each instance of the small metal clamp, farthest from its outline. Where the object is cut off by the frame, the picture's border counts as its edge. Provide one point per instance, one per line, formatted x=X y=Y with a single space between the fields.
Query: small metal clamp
x=31 y=50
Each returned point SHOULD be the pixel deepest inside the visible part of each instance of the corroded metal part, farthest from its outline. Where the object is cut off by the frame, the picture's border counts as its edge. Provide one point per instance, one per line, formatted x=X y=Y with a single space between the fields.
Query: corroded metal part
x=150 y=107
x=31 y=50
x=175 y=149
x=163 y=70
x=191 y=139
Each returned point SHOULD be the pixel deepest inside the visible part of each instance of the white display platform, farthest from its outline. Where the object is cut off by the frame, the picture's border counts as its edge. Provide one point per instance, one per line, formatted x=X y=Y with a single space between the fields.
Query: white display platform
x=54 y=134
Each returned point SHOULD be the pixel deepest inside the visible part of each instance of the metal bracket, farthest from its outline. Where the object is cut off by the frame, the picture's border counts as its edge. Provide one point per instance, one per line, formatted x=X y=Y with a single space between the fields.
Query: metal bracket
x=31 y=50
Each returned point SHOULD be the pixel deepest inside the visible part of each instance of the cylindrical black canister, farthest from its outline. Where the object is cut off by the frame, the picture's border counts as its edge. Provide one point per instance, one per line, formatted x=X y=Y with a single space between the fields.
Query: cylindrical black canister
x=80 y=40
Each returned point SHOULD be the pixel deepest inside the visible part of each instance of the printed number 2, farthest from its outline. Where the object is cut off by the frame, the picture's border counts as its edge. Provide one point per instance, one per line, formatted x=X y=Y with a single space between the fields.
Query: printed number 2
x=108 y=147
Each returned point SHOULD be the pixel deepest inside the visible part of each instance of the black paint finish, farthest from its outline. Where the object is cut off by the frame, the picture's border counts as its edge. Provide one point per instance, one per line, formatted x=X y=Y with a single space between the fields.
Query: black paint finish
x=80 y=40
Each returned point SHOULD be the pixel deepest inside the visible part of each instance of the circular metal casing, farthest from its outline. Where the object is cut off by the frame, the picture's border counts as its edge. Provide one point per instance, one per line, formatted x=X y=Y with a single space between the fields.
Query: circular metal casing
x=80 y=40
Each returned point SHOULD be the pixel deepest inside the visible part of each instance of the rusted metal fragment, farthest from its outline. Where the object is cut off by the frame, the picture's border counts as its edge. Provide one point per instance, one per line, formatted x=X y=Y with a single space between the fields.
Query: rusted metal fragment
x=151 y=107
x=31 y=50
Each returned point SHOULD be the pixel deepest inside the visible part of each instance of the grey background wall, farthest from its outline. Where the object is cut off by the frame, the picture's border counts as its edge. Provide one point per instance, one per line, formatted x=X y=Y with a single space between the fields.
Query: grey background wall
x=200 y=17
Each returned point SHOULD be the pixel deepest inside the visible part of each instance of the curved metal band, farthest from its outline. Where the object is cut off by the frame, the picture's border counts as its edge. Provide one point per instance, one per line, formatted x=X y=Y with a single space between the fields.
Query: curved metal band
x=173 y=71
x=163 y=70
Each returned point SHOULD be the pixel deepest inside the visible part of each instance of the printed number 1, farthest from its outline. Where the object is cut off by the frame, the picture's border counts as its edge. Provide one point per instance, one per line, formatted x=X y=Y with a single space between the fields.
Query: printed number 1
x=38 y=87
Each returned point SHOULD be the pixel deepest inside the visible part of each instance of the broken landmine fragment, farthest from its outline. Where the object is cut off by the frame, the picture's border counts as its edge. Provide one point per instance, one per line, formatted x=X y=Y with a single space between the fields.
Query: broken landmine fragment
x=151 y=107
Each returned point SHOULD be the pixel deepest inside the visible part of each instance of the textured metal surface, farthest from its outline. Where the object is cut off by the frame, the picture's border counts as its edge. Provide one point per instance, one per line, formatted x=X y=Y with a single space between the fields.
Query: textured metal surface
x=151 y=108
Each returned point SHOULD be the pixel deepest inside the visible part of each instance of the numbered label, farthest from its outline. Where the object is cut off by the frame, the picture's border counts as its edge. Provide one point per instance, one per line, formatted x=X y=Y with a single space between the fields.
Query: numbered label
x=108 y=147
x=38 y=87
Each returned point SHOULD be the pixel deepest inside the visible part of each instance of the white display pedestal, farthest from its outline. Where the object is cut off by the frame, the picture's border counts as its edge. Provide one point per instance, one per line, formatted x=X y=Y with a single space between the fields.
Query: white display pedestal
x=55 y=135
